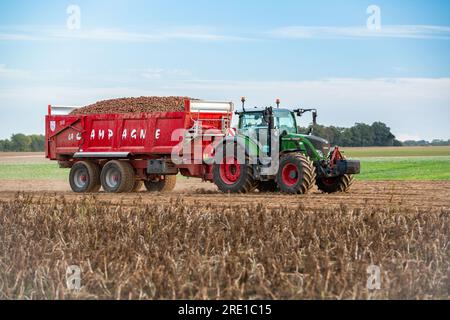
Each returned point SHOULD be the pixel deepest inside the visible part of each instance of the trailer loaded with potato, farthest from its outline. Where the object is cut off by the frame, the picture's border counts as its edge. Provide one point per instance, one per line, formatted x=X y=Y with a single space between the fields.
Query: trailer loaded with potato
x=121 y=144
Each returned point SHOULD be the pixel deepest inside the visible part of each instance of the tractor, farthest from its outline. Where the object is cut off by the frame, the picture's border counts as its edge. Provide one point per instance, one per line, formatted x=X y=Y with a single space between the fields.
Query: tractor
x=277 y=157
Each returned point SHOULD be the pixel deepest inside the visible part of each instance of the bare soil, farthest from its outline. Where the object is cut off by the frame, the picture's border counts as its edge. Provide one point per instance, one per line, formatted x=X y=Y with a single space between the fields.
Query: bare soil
x=22 y=157
x=401 y=194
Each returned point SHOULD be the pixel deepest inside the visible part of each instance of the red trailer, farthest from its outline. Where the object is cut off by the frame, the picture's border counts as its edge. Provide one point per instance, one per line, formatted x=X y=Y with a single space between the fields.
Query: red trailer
x=120 y=152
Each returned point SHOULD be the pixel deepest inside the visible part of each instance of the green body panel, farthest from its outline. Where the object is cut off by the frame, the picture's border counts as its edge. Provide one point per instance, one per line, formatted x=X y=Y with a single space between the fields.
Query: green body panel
x=299 y=142
x=289 y=143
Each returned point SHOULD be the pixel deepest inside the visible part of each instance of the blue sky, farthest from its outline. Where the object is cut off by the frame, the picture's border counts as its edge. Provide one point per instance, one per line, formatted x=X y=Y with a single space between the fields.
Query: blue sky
x=310 y=54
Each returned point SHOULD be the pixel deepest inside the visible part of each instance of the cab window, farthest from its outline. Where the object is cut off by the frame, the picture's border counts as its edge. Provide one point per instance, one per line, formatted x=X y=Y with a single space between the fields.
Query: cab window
x=284 y=121
x=252 y=121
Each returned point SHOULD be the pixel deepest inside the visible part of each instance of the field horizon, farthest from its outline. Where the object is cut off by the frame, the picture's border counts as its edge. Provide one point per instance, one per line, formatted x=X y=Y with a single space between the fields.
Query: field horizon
x=377 y=163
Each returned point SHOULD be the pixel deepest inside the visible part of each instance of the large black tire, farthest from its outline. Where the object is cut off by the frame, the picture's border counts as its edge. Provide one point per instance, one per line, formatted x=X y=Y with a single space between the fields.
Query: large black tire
x=267 y=186
x=296 y=174
x=117 y=177
x=241 y=180
x=338 y=184
x=85 y=177
x=165 y=184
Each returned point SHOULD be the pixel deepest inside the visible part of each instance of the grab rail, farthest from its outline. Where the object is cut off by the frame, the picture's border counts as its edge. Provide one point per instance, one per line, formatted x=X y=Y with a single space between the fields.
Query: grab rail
x=61 y=110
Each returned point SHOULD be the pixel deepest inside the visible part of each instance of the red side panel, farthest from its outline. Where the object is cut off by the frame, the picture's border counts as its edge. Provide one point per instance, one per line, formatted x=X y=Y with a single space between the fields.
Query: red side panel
x=149 y=133
x=139 y=134
x=135 y=133
x=64 y=135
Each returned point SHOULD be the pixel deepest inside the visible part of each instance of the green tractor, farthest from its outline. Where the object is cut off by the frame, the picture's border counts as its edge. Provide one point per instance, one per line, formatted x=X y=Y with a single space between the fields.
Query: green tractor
x=269 y=153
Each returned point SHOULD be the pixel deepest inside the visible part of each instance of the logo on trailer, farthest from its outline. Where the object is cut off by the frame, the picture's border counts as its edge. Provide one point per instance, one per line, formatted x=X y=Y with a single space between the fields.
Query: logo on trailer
x=53 y=126
x=108 y=134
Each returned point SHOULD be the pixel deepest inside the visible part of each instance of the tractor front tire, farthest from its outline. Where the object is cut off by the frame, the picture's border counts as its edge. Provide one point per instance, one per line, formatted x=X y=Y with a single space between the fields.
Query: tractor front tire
x=333 y=185
x=164 y=184
x=85 y=177
x=118 y=177
x=296 y=174
x=230 y=176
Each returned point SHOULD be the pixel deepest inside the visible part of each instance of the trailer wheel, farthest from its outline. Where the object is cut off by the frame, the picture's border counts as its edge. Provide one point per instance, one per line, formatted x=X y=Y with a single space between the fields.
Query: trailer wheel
x=230 y=176
x=118 y=177
x=267 y=186
x=163 y=184
x=296 y=174
x=138 y=185
x=338 y=184
x=85 y=177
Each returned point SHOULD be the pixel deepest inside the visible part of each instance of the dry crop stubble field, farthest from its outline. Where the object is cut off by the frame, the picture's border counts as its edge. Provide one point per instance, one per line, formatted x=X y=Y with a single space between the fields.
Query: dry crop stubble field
x=198 y=243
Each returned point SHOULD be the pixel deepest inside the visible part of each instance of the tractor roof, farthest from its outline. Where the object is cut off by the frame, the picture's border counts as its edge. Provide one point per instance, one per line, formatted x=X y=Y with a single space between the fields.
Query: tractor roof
x=258 y=110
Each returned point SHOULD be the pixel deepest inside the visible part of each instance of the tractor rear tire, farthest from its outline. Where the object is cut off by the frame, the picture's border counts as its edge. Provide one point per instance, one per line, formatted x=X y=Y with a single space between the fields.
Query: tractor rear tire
x=296 y=174
x=267 y=186
x=163 y=185
x=85 y=177
x=118 y=177
x=338 y=184
x=232 y=177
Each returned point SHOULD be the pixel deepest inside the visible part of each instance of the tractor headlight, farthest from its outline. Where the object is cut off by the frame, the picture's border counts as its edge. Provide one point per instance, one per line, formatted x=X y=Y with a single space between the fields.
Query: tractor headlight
x=320 y=153
x=326 y=149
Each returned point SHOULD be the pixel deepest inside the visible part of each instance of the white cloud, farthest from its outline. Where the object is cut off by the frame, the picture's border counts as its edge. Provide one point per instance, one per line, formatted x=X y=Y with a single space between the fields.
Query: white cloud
x=338 y=91
x=413 y=107
x=36 y=33
x=388 y=31
x=18 y=37
x=159 y=73
x=195 y=33
x=13 y=74
x=403 y=103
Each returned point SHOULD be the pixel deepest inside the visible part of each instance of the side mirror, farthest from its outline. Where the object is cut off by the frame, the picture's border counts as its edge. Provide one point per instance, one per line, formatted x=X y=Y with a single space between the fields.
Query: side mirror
x=266 y=115
x=315 y=118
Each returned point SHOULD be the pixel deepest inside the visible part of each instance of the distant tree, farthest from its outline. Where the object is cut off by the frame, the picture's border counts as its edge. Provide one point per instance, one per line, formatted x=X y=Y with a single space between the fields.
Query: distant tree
x=382 y=135
x=412 y=143
x=397 y=143
x=2 y=145
x=37 y=142
x=363 y=135
x=359 y=135
x=21 y=142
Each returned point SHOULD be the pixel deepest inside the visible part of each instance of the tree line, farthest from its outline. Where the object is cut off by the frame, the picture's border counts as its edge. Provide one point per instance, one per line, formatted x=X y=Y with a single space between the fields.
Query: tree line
x=360 y=135
x=424 y=143
x=23 y=143
x=363 y=135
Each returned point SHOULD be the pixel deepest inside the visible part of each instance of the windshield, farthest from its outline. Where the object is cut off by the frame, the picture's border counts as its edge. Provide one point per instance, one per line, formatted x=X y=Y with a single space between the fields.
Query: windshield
x=284 y=121
x=252 y=120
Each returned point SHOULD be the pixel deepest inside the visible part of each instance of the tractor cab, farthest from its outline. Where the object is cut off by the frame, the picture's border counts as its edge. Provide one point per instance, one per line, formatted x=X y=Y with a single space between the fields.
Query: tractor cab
x=256 y=124
x=284 y=121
